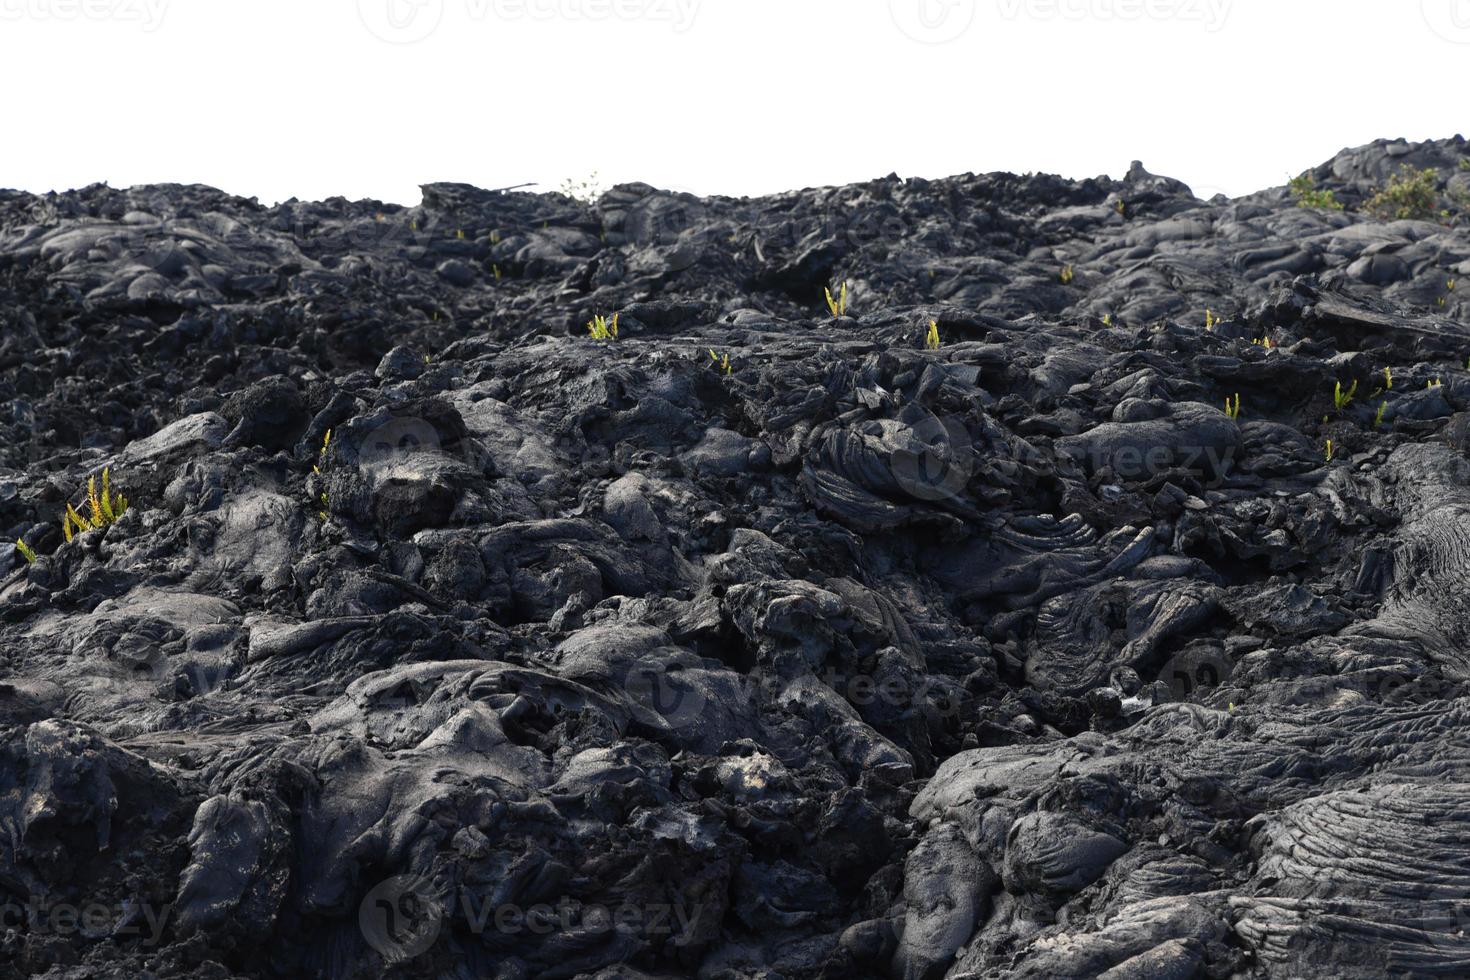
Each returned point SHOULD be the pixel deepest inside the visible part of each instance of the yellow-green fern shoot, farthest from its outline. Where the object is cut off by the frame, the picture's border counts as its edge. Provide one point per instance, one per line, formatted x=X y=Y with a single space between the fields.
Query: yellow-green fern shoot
x=1107 y=319
x=1378 y=419
x=1342 y=399
x=722 y=364
x=1388 y=379
x=459 y=234
x=325 y=507
x=931 y=339
x=1068 y=274
x=321 y=456
x=1233 y=410
x=601 y=328
x=1330 y=450
x=1436 y=383
x=496 y=269
x=1210 y=320
x=25 y=551
x=837 y=305
x=103 y=509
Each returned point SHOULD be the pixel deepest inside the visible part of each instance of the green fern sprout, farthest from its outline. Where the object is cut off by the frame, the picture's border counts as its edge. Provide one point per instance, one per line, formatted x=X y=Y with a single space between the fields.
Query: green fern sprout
x=1067 y=275
x=1342 y=399
x=1107 y=320
x=1378 y=419
x=722 y=364
x=1331 y=450
x=1388 y=379
x=1233 y=410
x=931 y=339
x=103 y=508
x=496 y=269
x=837 y=305
x=1436 y=383
x=601 y=328
x=1210 y=320
x=322 y=513
x=25 y=551
x=1121 y=207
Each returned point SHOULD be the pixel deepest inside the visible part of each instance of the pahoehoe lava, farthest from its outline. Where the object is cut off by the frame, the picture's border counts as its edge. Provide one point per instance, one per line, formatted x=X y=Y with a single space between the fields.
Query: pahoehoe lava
x=1120 y=630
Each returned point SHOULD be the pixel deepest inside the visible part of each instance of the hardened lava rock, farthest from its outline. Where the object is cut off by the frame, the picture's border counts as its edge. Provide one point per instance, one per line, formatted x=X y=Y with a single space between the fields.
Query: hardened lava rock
x=1119 y=633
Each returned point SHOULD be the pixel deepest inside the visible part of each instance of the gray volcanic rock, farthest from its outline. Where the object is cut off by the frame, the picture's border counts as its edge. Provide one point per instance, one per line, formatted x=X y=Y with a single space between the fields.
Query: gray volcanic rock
x=441 y=639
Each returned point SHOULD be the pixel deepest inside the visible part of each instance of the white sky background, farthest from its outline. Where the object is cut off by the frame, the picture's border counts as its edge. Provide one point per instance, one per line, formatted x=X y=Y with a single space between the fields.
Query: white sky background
x=306 y=98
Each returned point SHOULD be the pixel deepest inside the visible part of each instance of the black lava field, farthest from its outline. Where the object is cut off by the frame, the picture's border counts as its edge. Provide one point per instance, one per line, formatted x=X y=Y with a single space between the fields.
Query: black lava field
x=1083 y=592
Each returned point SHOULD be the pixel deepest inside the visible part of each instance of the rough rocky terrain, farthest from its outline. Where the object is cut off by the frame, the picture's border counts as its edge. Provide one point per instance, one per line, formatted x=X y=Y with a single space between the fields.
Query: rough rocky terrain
x=845 y=657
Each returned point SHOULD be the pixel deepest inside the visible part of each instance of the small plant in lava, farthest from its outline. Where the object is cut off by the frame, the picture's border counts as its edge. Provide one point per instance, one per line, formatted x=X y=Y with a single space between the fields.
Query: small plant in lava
x=103 y=508
x=838 y=304
x=931 y=338
x=601 y=328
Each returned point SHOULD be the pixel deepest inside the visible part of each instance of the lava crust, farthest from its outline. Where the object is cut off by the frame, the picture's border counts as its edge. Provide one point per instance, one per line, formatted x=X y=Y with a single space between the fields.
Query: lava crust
x=1120 y=633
